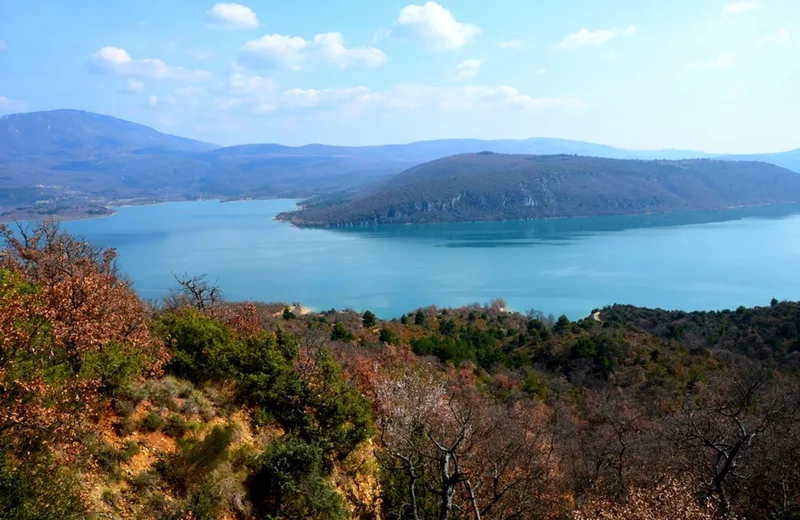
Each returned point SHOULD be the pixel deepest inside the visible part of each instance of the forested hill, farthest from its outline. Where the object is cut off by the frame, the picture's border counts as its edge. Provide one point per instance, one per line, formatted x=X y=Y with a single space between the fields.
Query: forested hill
x=489 y=186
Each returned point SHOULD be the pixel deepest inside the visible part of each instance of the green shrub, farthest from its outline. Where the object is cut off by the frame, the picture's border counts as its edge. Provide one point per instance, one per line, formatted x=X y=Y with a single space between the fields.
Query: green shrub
x=340 y=333
x=188 y=469
x=116 y=365
x=175 y=426
x=288 y=483
x=144 y=482
x=204 y=504
x=369 y=319
x=38 y=490
x=388 y=336
x=151 y=422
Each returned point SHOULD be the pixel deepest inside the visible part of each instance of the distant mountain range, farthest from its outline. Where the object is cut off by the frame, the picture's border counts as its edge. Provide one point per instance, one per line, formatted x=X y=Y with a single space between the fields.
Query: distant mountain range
x=69 y=162
x=489 y=186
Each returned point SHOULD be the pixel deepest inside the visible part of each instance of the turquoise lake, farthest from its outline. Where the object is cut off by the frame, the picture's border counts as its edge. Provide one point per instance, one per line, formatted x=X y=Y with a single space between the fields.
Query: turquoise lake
x=710 y=260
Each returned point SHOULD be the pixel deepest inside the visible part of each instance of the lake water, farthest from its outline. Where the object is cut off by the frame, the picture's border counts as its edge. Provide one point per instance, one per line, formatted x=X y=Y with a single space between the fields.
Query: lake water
x=689 y=261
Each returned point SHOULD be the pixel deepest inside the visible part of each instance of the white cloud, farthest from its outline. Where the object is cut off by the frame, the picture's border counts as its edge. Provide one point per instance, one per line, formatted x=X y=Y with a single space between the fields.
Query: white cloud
x=10 y=106
x=134 y=86
x=724 y=61
x=290 y=52
x=113 y=60
x=465 y=70
x=587 y=37
x=435 y=26
x=153 y=101
x=231 y=16
x=739 y=7
x=408 y=97
x=274 y=50
x=738 y=91
x=540 y=72
x=782 y=36
x=3 y=45
x=331 y=47
x=330 y=97
x=262 y=95
x=470 y=97
x=511 y=44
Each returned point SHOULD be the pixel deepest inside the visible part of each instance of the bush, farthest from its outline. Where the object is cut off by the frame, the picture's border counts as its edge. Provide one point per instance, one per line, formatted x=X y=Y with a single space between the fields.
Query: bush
x=388 y=336
x=188 y=469
x=37 y=490
x=151 y=422
x=204 y=504
x=288 y=483
x=340 y=333
x=369 y=319
x=175 y=426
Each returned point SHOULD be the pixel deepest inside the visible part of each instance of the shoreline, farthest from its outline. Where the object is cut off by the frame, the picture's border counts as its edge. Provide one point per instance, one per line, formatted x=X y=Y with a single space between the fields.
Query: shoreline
x=113 y=210
x=366 y=225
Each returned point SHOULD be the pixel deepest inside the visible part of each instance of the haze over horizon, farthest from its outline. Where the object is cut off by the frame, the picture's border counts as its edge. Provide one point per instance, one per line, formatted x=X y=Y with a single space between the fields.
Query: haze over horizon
x=715 y=76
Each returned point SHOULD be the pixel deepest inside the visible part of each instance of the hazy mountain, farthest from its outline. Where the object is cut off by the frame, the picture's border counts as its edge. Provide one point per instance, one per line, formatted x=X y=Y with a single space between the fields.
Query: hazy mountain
x=488 y=186
x=789 y=160
x=66 y=158
x=77 y=134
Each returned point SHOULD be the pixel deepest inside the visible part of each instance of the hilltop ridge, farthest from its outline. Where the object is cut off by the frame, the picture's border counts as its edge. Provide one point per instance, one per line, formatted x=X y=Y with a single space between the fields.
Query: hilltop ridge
x=489 y=186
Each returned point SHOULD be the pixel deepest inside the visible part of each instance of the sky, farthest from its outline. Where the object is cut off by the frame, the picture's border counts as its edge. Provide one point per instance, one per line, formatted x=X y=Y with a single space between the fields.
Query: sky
x=713 y=75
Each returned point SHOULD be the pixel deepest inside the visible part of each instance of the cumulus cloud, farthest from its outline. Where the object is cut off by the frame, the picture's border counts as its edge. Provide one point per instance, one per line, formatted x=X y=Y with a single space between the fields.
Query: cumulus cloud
x=511 y=44
x=470 y=97
x=153 y=101
x=587 y=37
x=330 y=97
x=134 y=86
x=331 y=47
x=231 y=16
x=262 y=95
x=274 y=50
x=724 y=61
x=113 y=60
x=782 y=36
x=435 y=26
x=465 y=70
x=739 y=7
x=290 y=52
x=11 y=106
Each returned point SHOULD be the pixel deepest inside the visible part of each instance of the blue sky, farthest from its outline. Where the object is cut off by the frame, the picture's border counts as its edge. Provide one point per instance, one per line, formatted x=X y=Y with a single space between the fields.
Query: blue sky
x=714 y=75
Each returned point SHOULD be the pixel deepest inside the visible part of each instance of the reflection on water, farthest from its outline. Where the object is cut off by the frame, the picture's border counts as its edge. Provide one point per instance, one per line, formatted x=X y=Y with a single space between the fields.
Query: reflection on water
x=562 y=230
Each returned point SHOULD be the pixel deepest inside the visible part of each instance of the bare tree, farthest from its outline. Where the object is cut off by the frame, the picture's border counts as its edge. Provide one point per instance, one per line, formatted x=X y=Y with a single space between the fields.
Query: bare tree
x=461 y=454
x=726 y=423
x=196 y=291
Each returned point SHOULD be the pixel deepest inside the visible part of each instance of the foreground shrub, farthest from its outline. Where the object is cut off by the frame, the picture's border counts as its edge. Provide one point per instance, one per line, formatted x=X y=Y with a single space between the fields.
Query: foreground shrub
x=288 y=483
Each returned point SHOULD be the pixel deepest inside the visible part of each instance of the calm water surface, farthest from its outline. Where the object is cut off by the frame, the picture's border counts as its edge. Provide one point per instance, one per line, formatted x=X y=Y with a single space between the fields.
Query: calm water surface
x=690 y=261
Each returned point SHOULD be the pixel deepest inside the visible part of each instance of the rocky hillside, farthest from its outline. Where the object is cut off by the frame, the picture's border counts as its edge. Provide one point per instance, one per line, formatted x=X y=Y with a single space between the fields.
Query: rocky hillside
x=489 y=186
